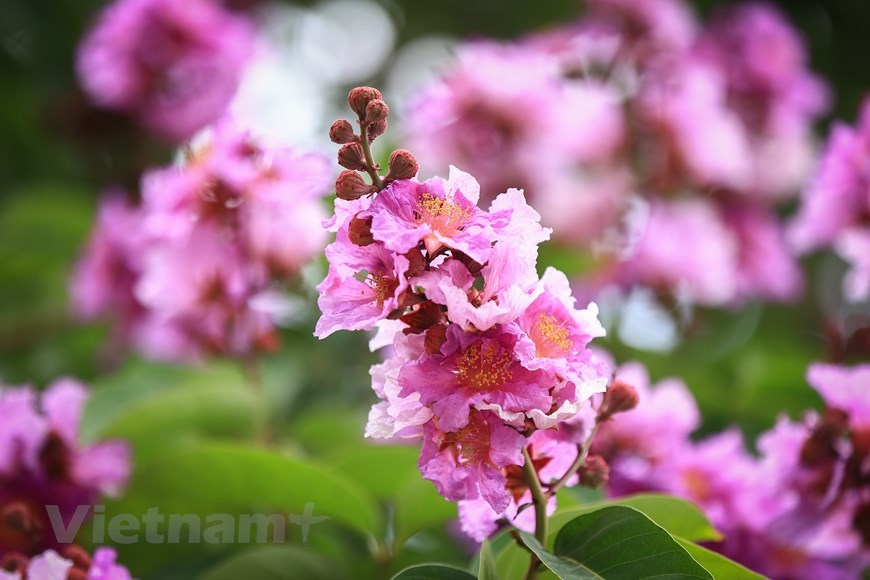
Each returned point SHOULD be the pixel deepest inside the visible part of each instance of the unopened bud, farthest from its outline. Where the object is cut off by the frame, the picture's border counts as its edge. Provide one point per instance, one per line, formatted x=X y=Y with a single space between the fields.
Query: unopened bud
x=403 y=165
x=359 y=230
x=341 y=132
x=376 y=111
x=376 y=130
x=360 y=97
x=350 y=185
x=78 y=556
x=14 y=562
x=16 y=516
x=619 y=398
x=595 y=472
x=350 y=156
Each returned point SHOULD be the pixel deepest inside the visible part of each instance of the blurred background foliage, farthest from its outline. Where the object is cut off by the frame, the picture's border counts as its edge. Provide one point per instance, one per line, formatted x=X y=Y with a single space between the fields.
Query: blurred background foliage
x=190 y=426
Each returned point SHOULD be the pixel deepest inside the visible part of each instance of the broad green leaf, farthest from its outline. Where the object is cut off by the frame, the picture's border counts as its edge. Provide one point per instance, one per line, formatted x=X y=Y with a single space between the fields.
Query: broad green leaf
x=487 y=569
x=677 y=516
x=433 y=572
x=717 y=564
x=562 y=567
x=274 y=563
x=621 y=542
x=138 y=382
x=417 y=506
x=233 y=479
x=186 y=415
x=381 y=469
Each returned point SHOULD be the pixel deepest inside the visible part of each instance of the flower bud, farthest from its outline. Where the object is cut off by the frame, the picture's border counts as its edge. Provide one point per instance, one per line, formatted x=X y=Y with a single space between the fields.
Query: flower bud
x=595 y=472
x=79 y=557
x=17 y=516
x=403 y=165
x=376 y=111
x=341 y=132
x=376 y=130
x=350 y=185
x=619 y=398
x=350 y=156
x=359 y=230
x=14 y=562
x=360 y=97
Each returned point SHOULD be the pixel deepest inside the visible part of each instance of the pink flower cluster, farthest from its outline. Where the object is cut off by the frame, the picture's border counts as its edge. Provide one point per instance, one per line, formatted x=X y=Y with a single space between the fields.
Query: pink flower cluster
x=835 y=209
x=42 y=463
x=196 y=268
x=484 y=352
x=799 y=510
x=172 y=65
x=75 y=565
x=657 y=144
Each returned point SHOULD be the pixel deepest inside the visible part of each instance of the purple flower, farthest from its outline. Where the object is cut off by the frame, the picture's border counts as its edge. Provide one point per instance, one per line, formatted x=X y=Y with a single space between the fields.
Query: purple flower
x=43 y=463
x=436 y=212
x=844 y=388
x=467 y=464
x=476 y=370
x=174 y=66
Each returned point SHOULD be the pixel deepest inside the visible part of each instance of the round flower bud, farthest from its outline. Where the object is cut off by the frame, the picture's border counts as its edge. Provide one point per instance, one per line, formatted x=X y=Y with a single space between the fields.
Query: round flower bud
x=619 y=398
x=350 y=185
x=595 y=472
x=403 y=165
x=360 y=97
x=341 y=132
x=376 y=111
x=350 y=156
x=359 y=230
x=377 y=129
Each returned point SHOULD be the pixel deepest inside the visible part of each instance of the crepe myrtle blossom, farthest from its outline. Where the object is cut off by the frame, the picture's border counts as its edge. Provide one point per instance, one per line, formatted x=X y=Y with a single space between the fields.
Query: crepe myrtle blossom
x=486 y=360
x=42 y=463
x=198 y=266
x=72 y=563
x=835 y=207
x=174 y=66
x=707 y=124
x=796 y=510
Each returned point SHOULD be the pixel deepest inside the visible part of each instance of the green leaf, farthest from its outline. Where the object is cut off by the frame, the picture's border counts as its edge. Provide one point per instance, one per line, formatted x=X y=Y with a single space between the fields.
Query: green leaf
x=418 y=506
x=383 y=470
x=274 y=563
x=561 y=567
x=233 y=479
x=487 y=569
x=677 y=516
x=432 y=572
x=717 y=564
x=621 y=542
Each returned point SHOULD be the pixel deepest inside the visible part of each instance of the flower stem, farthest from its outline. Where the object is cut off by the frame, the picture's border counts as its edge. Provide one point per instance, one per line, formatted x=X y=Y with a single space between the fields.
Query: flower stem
x=539 y=500
x=371 y=168
x=582 y=453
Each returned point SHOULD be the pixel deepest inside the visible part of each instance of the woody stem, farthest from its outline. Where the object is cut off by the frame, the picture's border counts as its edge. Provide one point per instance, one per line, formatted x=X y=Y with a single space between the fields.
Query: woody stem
x=582 y=453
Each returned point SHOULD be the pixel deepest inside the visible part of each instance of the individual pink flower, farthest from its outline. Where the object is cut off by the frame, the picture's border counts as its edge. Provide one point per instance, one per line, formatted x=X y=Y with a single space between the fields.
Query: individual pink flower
x=844 y=388
x=42 y=461
x=440 y=213
x=174 y=66
x=476 y=370
x=685 y=246
x=467 y=463
x=348 y=302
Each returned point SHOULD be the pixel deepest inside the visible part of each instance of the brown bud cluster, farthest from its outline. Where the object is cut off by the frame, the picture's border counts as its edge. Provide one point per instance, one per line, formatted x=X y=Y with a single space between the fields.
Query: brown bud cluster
x=360 y=97
x=350 y=185
x=619 y=398
x=359 y=230
x=595 y=472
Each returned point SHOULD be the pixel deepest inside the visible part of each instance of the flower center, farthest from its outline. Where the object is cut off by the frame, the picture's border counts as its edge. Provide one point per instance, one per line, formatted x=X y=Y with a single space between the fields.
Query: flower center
x=471 y=442
x=551 y=338
x=443 y=215
x=483 y=367
x=384 y=286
